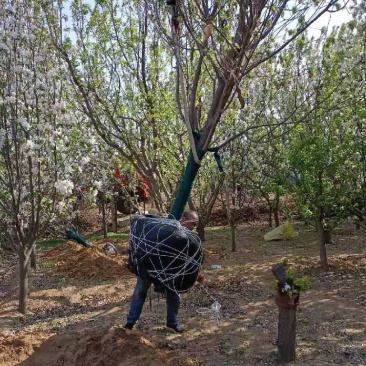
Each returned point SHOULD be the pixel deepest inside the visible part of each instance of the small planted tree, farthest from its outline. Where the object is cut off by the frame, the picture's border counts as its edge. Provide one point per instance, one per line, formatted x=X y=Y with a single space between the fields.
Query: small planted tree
x=288 y=288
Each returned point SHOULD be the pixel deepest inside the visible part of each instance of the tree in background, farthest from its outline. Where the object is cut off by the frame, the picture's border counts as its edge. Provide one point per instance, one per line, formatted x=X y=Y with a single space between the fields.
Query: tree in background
x=237 y=192
x=120 y=71
x=324 y=153
x=122 y=75
x=41 y=147
x=205 y=192
x=30 y=102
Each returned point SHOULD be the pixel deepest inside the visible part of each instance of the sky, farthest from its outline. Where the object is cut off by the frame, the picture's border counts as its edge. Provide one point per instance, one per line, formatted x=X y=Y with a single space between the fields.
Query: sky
x=330 y=20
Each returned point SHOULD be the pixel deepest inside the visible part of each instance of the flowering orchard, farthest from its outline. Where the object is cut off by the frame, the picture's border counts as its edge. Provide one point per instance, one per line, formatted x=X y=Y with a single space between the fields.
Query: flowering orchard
x=281 y=107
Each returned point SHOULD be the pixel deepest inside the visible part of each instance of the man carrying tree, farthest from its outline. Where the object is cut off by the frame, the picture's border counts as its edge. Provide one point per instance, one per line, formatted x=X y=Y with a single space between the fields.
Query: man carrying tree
x=189 y=221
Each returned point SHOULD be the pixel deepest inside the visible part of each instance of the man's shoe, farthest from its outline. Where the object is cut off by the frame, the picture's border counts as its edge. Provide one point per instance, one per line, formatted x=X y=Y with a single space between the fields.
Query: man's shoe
x=128 y=326
x=176 y=328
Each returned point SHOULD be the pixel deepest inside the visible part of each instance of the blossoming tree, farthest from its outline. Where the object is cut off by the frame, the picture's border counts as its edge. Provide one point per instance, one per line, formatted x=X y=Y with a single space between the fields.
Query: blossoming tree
x=121 y=77
x=40 y=142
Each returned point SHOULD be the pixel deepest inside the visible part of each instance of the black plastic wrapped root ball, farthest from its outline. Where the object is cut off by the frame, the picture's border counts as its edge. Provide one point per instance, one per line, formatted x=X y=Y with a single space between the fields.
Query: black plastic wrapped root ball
x=165 y=252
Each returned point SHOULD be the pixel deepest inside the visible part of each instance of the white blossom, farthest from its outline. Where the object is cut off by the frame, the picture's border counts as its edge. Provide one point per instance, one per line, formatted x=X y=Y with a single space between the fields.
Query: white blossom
x=10 y=99
x=4 y=47
x=64 y=187
x=98 y=184
x=29 y=145
x=24 y=123
x=84 y=160
x=61 y=206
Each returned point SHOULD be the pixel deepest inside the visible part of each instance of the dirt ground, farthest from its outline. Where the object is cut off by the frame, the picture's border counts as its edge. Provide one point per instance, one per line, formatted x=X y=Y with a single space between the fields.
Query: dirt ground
x=79 y=299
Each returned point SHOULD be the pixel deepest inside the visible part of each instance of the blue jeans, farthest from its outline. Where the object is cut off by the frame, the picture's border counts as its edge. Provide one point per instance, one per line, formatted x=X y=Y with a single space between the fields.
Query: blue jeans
x=139 y=297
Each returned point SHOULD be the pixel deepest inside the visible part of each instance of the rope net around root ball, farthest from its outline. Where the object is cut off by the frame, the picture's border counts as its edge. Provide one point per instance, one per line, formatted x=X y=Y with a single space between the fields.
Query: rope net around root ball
x=164 y=251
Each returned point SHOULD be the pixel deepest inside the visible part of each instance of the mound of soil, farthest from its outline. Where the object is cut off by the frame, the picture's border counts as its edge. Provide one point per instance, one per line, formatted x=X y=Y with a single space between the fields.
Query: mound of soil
x=101 y=347
x=74 y=260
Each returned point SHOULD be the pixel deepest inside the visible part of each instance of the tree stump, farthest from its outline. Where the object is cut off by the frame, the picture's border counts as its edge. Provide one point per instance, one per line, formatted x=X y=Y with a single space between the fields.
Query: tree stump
x=286 y=342
x=287 y=300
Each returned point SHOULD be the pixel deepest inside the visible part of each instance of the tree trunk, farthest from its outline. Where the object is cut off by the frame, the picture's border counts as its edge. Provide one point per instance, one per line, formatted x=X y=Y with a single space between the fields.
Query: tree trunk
x=328 y=236
x=23 y=283
x=114 y=215
x=276 y=217
x=286 y=342
x=33 y=258
x=276 y=210
x=233 y=216
x=76 y=220
x=287 y=306
x=322 y=242
x=104 y=218
x=201 y=230
x=270 y=215
x=233 y=235
x=359 y=220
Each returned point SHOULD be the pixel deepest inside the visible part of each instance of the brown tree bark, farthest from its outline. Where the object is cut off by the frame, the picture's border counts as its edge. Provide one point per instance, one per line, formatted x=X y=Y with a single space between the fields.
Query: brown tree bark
x=270 y=215
x=322 y=243
x=276 y=210
x=287 y=305
x=114 y=215
x=233 y=235
x=104 y=217
x=23 y=282
x=286 y=342
x=201 y=231
x=328 y=236
x=33 y=259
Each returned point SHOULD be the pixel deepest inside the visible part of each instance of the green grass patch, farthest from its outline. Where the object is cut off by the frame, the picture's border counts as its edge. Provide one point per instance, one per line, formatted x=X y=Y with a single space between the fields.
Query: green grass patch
x=116 y=236
x=51 y=243
x=218 y=229
x=46 y=264
x=61 y=280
